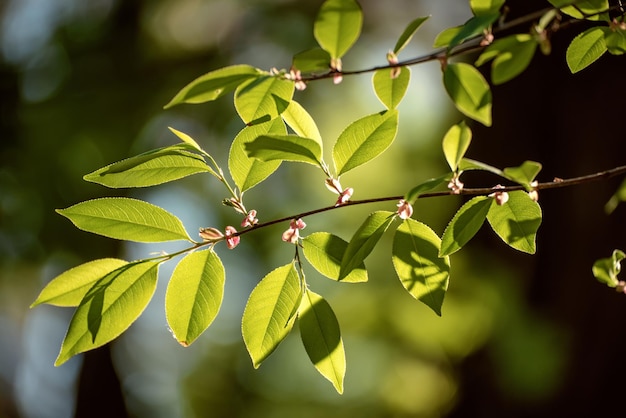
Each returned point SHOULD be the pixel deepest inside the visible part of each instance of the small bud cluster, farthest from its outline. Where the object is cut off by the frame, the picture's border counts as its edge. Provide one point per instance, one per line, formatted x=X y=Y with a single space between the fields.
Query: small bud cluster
x=500 y=197
x=405 y=210
x=293 y=233
x=344 y=194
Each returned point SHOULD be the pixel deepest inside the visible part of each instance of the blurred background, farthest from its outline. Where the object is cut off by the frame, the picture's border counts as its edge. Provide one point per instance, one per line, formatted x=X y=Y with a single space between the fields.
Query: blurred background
x=83 y=83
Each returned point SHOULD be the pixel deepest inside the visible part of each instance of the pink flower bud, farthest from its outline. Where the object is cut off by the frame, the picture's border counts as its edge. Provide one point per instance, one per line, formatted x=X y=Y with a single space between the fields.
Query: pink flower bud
x=405 y=210
x=231 y=240
x=455 y=185
x=344 y=196
x=210 y=234
x=250 y=219
x=293 y=233
x=501 y=197
x=333 y=185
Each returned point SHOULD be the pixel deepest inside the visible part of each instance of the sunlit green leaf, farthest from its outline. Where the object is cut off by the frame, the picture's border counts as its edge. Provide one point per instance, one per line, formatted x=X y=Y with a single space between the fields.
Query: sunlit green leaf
x=445 y=36
x=475 y=26
x=615 y=41
x=186 y=139
x=408 y=33
x=325 y=251
x=585 y=49
x=364 y=139
x=194 y=295
x=482 y=7
x=391 y=90
x=364 y=240
x=415 y=256
x=427 y=186
x=517 y=221
x=214 y=84
x=512 y=56
x=590 y=9
x=524 y=174
x=126 y=219
x=285 y=148
x=469 y=164
x=338 y=26
x=469 y=91
x=248 y=172
x=69 y=288
x=301 y=122
x=465 y=224
x=311 y=60
x=109 y=308
x=268 y=316
x=151 y=168
x=321 y=336
x=606 y=270
x=263 y=98
x=455 y=144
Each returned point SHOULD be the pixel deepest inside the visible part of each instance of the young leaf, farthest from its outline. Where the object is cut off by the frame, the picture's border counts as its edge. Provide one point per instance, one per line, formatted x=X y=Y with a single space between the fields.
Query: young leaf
x=391 y=90
x=268 y=316
x=248 y=172
x=512 y=55
x=262 y=99
x=126 y=219
x=469 y=91
x=427 y=186
x=364 y=240
x=151 y=168
x=483 y=7
x=408 y=33
x=214 y=84
x=469 y=164
x=338 y=26
x=416 y=260
x=364 y=140
x=473 y=27
x=194 y=295
x=524 y=174
x=109 y=308
x=606 y=270
x=186 y=139
x=285 y=148
x=301 y=122
x=615 y=41
x=588 y=9
x=69 y=288
x=517 y=221
x=465 y=224
x=319 y=330
x=445 y=36
x=585 y=49
x=325 y=251
x=311 y=60
x=455 y=144
x=618 y=197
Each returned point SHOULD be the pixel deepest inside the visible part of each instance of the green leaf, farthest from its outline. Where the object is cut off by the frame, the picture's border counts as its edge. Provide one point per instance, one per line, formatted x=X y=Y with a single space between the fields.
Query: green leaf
x=214 y=84
x=126 y=219
x=415 y=258
x=268 y=316
x=319 y=330
x=285 y=148
x=263 y=98
x=517 y=221
x=615 y=41
x=469 y=164
x=475 y=26
x=325 y=251
x=512 y=56
x=408 y=33
x=248 y=172
x=446 y=36
x=524 y=174
x=194 y=295
x=186 y=139
x=151 y=168
x=589 y=9
x=465 y=224
x=469 y=91
x=364 y=240
x=311 y=60
x=338 y=26
x=606 y=270
x=485 y=7
x=455 y=144
x=69 y=288
x=389 y=90
x=618 y=196
x=364 y=140
x=301 y=122
x=427 y=186
x=585 y=49
x=109 y=308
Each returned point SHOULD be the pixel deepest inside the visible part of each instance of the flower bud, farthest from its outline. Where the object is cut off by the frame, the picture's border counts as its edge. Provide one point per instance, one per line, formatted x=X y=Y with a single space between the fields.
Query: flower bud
x=405 y=210
x=211 y=234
